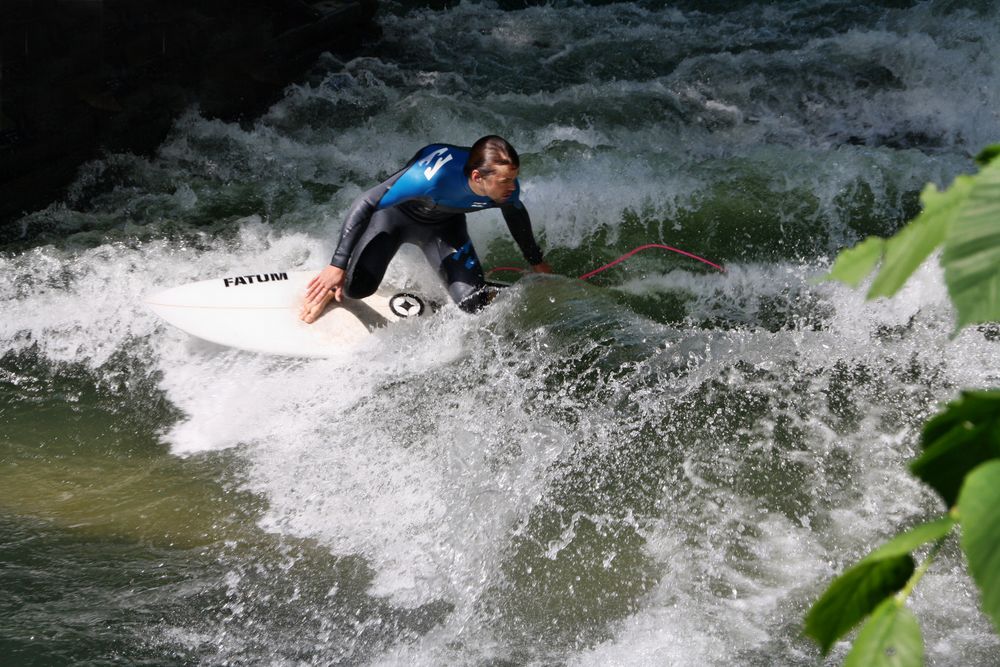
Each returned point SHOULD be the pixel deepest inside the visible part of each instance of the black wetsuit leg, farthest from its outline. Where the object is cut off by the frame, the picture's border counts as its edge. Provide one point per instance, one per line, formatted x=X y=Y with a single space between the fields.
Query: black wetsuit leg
x=449 y=249
x=375 y=249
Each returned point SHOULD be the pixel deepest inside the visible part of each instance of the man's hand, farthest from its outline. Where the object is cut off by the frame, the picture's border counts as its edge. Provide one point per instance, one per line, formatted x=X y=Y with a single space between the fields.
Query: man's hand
x=327 y=285
x=542 y=267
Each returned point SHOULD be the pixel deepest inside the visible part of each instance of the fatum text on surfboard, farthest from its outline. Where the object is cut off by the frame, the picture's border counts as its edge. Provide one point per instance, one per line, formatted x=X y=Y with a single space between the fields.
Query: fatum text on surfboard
x=250 y=280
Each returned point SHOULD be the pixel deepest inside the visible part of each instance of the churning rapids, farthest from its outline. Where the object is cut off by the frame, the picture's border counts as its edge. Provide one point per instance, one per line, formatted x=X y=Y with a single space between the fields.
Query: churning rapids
x=662 y=466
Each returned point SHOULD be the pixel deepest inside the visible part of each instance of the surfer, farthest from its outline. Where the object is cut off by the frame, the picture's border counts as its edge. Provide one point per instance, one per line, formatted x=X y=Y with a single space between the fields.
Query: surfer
x=425 y=203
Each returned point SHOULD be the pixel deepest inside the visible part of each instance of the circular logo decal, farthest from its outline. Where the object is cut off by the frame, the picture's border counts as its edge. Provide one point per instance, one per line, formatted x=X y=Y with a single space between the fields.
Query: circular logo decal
x=406 y=305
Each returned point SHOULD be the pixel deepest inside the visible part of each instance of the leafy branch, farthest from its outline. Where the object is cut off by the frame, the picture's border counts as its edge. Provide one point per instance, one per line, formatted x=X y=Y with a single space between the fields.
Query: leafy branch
x=960 y=447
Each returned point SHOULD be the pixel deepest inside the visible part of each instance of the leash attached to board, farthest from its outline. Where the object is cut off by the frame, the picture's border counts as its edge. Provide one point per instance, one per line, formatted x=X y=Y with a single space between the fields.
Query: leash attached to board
x=630 y=253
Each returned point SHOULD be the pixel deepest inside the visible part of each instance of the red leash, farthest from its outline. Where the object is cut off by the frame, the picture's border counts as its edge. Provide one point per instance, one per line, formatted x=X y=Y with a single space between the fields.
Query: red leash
x=621 y=259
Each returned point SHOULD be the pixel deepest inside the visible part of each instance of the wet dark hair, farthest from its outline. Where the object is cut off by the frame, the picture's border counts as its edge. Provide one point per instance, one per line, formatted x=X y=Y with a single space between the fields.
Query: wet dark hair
x=490 y=152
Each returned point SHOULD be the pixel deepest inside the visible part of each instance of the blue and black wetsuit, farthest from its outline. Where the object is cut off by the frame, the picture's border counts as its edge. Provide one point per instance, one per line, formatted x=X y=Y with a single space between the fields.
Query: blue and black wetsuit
x=425 y=203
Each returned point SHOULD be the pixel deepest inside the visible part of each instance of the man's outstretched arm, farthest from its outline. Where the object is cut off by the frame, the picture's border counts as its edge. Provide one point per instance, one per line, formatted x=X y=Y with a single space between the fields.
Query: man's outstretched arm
x=519 y=223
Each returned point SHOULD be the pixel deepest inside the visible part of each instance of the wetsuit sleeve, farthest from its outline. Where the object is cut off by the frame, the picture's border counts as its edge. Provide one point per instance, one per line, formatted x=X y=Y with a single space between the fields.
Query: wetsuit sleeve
x=358 y=218
x=519 y=224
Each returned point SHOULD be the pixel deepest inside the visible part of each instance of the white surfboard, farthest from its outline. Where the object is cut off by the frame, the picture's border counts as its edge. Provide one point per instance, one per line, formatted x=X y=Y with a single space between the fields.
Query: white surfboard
x=260 y=312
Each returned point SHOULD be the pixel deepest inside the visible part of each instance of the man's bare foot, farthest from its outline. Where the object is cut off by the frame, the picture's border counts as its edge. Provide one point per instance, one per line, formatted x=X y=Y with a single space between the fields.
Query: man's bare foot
x=311 y=310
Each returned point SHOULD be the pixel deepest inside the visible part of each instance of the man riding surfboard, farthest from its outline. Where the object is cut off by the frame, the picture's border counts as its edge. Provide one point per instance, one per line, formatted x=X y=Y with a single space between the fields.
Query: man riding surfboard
x=425 y=203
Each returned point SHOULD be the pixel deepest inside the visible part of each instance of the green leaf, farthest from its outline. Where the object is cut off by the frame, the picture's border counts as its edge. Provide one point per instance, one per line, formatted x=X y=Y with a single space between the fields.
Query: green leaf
x=971 y=256
x=913 y=539
x=965 y=219
x=890 y=638
x=958 y=440
x=854 y=264
x=973 y=406
x=907 y=250
x=979 y=514
x=944 y=465
x=988 y=154
x=853 y=595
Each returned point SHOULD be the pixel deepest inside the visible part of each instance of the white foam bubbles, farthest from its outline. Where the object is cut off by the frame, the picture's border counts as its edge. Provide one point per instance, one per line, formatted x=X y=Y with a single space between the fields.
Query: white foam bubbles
x=423 y=484
x=709 y=608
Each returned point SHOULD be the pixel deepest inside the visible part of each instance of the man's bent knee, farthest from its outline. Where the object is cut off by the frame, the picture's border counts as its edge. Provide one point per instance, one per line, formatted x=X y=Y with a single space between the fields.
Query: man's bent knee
x=361 y=284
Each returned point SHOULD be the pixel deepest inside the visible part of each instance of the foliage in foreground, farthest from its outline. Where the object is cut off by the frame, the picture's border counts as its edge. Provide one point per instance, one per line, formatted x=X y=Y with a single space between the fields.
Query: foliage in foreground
x=960 y=447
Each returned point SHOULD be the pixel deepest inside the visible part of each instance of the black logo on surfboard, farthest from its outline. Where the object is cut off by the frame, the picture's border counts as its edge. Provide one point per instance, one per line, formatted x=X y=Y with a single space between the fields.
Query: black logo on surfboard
x=252 y=279
x=406 y=305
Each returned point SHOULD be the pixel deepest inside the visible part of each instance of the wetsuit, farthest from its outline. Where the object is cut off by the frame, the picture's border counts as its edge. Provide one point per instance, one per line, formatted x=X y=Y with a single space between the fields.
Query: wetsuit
x=425 y=203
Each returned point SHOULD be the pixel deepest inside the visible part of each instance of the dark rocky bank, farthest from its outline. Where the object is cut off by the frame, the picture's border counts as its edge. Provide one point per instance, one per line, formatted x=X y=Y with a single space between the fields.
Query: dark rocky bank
x=78 y=77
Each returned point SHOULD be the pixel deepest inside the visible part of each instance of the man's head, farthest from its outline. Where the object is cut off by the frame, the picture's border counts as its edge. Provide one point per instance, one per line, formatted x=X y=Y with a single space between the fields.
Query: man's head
x=492 y=168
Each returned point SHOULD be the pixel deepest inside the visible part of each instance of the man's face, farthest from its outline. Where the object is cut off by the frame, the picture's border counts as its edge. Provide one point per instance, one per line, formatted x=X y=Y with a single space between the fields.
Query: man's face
x=498 y=186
